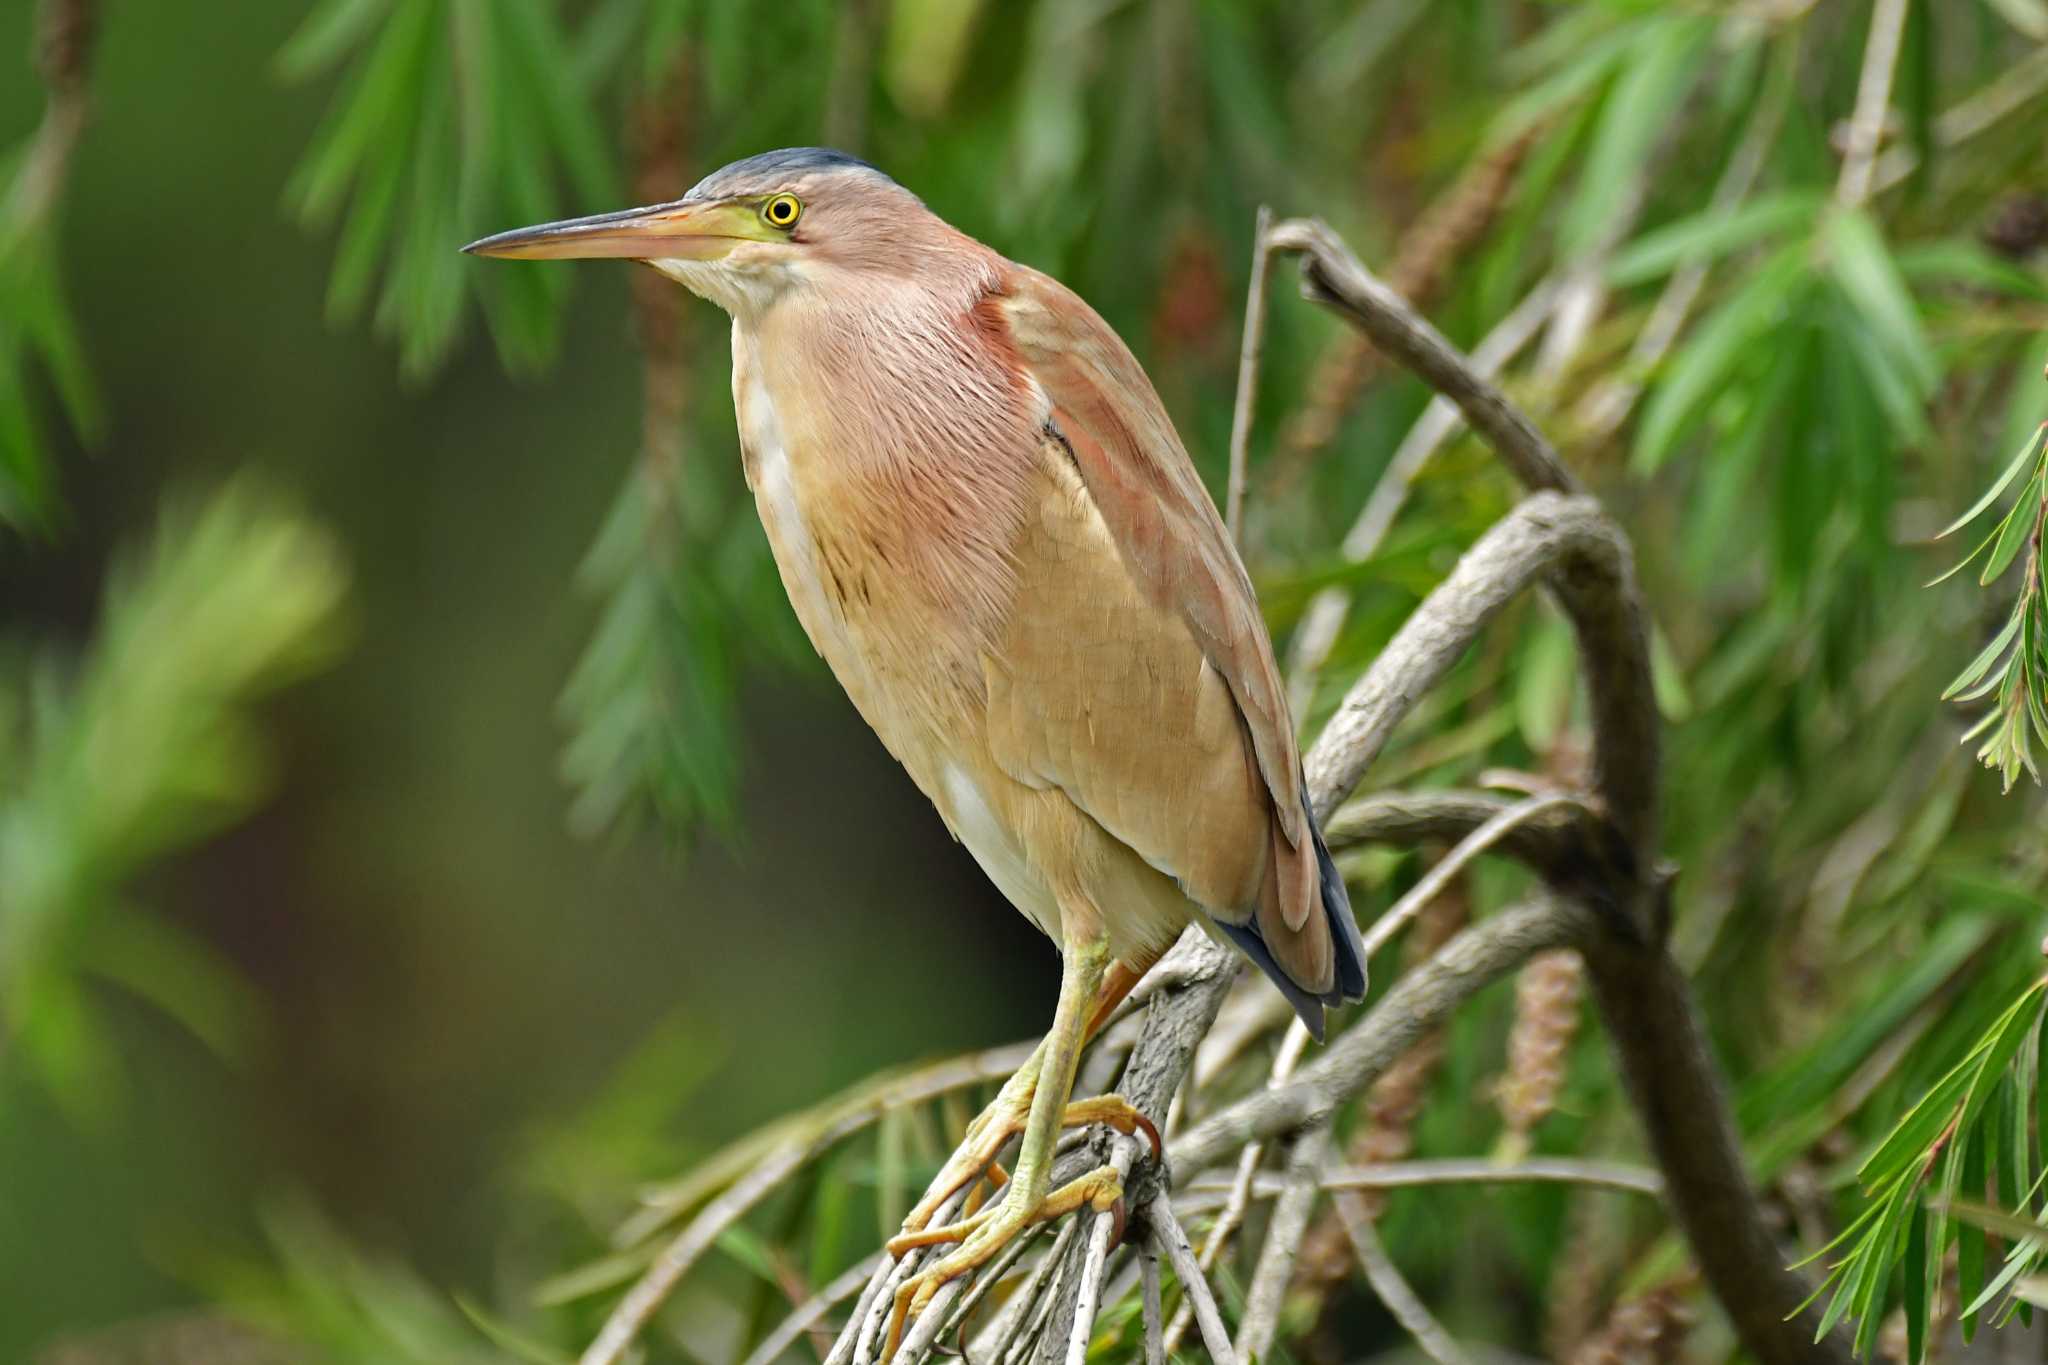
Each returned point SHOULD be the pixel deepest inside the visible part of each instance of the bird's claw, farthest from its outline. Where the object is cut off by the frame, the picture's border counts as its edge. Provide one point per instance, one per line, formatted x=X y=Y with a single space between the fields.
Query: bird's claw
x=984 y=1234
x=992 y=1130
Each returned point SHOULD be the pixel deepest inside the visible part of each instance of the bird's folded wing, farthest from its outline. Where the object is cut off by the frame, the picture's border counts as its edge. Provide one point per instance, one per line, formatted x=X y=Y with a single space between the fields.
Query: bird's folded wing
x=1201 y=666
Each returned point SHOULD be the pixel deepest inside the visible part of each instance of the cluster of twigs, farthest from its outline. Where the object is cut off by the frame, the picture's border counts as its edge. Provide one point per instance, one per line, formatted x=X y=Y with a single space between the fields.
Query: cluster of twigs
x=1604 y=893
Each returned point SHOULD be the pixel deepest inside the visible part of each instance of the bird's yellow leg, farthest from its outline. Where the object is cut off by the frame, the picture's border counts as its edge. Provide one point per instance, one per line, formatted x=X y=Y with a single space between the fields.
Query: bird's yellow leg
x=1028 y=1197
x=1006 y=1115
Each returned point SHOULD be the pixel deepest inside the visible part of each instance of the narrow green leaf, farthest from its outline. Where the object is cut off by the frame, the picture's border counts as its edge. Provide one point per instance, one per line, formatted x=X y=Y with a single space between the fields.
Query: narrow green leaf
x=1970 y=1242
x=1711 y=234
x=1649 y=87
x=326 y=35
x=2019 y=524
x=1914 y=1270
x=1990 y=655
x=1730 y=338
x=2029 y=454
x=1862 y=264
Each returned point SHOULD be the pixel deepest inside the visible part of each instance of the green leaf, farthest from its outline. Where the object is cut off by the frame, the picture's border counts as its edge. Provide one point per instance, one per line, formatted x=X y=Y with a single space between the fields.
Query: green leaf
x=326 y=35
x=2029 y=453
x=1731 y=337
x=1711 y=234
x=1970 y=1243
x=2019 y=524
x=1915 y=1272
x=1862 y=264
x=1651 y=84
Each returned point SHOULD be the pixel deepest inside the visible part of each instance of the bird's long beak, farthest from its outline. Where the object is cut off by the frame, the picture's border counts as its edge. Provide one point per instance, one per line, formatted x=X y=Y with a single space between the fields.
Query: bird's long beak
x=684 y=230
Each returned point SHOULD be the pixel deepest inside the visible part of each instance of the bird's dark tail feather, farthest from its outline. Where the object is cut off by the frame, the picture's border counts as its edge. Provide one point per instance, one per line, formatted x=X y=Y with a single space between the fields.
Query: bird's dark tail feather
x=1346 y=946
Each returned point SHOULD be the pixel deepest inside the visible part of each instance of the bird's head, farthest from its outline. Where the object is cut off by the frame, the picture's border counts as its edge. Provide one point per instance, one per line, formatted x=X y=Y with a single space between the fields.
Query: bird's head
x=750 y=232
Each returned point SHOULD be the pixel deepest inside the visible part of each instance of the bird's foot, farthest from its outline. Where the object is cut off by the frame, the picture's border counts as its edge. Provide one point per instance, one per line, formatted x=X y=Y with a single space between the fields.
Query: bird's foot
x=987 y=1136
x=984 y=1234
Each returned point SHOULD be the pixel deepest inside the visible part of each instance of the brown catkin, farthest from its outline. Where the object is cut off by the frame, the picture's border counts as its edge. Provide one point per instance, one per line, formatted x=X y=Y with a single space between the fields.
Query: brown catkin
x=1447 y=229
x=1647 y=1330
x=1547 y=996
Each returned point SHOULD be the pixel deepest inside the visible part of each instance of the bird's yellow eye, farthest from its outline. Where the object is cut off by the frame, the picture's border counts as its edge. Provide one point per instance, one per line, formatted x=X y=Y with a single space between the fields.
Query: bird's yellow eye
x=782 y=211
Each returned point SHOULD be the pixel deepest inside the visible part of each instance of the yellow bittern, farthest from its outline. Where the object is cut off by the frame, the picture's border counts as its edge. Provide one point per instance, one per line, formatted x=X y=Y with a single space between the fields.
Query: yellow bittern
x=988 y=527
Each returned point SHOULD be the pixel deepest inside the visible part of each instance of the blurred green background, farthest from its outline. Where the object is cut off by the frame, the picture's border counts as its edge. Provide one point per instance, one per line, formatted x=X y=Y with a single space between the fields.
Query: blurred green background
x=562 y=861
x=436 y=960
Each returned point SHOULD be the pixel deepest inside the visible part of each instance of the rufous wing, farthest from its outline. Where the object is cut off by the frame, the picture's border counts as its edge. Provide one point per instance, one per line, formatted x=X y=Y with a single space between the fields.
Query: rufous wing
x=1190 y=648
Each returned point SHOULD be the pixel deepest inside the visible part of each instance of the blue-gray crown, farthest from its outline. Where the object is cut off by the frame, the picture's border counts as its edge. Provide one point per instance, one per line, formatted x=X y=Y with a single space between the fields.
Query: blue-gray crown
x=765 y=171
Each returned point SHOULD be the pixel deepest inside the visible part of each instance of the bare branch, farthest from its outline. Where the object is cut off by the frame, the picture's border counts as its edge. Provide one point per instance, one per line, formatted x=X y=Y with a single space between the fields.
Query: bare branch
x=1155 y=1308
x=675 y=1260
x=1171 y=1242
x=1570 y=541
x=1398 y=1175
x=994 y=1341
x=1418 y=1002
x=1989 y=107
x=65 y=34
x=1451 y=864
x=1324 y=620
x=1552 y=844
x=807 y=1313
x=1284 y=1232
x=836 y=1119
x=1284 y=1061
x=1333 y=276
x=1248 y=356
x=1401 y=1301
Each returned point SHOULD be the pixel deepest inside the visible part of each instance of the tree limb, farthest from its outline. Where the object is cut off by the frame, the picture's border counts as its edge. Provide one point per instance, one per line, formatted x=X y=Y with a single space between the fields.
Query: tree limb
x=1418 y=1002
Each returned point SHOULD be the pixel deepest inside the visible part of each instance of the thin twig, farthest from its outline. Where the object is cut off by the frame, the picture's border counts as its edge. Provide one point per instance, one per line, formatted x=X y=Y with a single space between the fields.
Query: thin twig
x=989 y=1278
x=1285 y=1059
x=1873 y=101
x=1077 y=1318
x=1248 y=357
x=2008 y=93
x=818 y=1128
x=994 y=1341
x=653 y=1288
x=1385 y=1278
x=1550 y=844
x=1155 y=1308
x=811 y=1310
x=1170 y=1241
x=1284 y=1233
x=1451 y=864
x=1541 y=536
x=1419 y=1001
x=65 y=33
x=1323 y=622
x=1400 y=1175
x=1333 y=276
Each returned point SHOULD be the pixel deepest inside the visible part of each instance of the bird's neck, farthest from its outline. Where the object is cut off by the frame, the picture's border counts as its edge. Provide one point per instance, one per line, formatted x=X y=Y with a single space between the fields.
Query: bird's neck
x=906 y=450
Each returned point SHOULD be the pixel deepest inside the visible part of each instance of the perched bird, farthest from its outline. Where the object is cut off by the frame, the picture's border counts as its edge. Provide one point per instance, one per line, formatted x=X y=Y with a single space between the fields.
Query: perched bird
x=991 y=531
